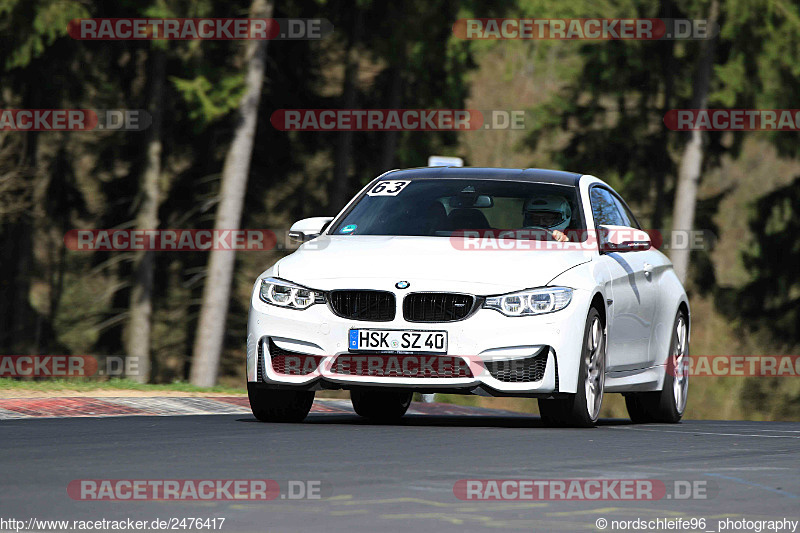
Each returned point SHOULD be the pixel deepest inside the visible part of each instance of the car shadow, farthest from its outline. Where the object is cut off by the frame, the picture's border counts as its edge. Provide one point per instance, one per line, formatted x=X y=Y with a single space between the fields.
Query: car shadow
x=423 y=420
x=629 y=271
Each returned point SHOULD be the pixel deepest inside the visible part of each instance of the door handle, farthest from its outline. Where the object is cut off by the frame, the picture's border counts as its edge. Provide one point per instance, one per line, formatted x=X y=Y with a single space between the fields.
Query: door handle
x=648 y=269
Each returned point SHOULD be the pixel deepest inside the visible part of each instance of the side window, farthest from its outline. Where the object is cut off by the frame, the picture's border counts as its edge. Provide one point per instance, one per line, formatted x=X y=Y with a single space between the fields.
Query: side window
x=630 y=220
x=604 y=208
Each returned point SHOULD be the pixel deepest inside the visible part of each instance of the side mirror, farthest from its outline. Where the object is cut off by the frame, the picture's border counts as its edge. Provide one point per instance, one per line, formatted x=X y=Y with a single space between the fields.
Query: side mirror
x=308 y=228
x=622 y=239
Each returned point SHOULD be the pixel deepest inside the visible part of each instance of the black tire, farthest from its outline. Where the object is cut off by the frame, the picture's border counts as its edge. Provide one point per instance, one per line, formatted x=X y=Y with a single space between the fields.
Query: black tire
x=574 y=411
x=551 y=412
x=639 y=406
x=661 y=406
x=380 y=406
x=271 y=405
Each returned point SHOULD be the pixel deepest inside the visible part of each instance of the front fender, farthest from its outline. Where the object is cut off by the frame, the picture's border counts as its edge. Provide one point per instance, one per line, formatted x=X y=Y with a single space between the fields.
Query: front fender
x=590 y=281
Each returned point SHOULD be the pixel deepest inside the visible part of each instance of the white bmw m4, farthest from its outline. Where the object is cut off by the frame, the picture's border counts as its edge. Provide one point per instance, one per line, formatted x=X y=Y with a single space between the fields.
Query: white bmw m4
x=499 y=282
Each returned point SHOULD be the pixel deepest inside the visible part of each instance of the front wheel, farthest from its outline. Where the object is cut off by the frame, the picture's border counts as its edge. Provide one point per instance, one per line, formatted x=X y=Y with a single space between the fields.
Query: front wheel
x=583 y=408
x=272 y=405
x=668 y=404
x=380 y=406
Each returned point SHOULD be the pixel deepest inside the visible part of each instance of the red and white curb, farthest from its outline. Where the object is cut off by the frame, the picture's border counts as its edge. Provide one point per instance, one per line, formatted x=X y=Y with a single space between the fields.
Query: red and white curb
x=70 y=407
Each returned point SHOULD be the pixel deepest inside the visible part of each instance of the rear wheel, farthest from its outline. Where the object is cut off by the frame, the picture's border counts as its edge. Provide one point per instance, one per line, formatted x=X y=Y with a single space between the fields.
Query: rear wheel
x=271 y=405
x=380 y=406
x=668 y=404
x=583 y=408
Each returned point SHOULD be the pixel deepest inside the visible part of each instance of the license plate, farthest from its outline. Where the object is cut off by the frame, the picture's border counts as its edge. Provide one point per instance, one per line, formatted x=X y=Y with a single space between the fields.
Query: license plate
x=391 y=340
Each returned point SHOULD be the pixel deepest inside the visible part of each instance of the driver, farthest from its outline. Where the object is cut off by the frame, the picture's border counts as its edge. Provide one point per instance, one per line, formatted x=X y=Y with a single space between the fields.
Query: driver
x=551 y=213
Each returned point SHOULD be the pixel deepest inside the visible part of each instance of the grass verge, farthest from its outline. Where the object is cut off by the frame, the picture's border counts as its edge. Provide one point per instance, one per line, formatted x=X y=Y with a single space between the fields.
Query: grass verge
x=86 y=385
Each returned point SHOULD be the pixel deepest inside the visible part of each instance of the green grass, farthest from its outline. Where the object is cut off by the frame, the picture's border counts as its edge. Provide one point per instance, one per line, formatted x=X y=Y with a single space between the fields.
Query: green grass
x=112 y=384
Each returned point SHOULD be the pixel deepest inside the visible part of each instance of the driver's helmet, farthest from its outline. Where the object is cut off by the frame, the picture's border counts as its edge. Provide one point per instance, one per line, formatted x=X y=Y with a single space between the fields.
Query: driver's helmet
x=550 y=212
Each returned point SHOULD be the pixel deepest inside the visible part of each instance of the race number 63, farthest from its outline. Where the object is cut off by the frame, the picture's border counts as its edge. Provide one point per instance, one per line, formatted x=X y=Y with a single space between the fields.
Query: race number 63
x=388 y=188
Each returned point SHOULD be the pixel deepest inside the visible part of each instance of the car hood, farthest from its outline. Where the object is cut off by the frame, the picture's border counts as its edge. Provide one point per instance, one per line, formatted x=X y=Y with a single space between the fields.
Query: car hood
x=427 y=263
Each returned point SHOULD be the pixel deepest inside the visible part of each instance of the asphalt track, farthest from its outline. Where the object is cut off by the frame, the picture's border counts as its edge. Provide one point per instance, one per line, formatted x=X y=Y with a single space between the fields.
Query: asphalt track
x=399 y=477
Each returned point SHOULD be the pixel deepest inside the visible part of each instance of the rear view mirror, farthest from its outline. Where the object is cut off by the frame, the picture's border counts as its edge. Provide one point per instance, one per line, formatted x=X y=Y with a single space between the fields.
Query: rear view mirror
x=308 y=228
x=481 y=201
x=622 y=239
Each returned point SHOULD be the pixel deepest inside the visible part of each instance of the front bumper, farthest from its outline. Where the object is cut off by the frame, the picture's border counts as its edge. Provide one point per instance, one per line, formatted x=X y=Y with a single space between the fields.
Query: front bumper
x=485 y=338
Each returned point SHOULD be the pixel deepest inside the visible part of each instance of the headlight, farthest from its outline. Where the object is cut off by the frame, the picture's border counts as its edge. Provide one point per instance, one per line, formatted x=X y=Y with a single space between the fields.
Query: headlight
x=530 y=302
x=287 y=294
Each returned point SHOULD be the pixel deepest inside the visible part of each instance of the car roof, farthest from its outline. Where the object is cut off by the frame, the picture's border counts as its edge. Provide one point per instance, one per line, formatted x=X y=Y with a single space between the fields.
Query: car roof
x=534 y=175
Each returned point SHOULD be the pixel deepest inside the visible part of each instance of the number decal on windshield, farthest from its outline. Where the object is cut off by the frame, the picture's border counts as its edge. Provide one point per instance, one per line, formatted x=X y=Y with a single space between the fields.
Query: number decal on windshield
x=388 y=188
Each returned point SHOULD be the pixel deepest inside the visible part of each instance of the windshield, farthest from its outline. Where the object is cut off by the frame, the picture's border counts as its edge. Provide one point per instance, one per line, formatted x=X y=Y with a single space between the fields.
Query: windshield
x=440 y=207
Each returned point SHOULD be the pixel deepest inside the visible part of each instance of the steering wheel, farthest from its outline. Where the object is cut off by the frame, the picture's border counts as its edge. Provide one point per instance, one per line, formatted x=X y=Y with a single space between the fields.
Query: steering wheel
x=546 y=231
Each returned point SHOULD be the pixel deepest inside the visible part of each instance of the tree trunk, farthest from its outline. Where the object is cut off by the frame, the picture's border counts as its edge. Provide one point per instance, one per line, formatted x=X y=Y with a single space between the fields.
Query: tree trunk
x=217 y=290
x=141 y=306
x=344 y=141
x=662 y=169
x=390 y=138
x=19 y=319
x=692 y=159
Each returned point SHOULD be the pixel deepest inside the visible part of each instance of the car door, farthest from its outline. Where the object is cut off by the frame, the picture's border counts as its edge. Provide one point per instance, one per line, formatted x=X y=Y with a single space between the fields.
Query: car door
x=654 y=263
x=633 y=292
